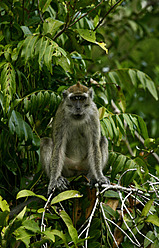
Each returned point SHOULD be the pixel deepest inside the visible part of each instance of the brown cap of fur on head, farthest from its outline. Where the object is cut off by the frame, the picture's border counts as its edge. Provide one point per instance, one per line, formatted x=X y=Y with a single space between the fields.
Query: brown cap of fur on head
x=78 y=89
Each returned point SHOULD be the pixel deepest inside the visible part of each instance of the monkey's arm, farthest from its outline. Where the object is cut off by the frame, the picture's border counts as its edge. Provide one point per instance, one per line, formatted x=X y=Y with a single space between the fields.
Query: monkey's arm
x=56 y=167
x=98 y=155
x=52 y=159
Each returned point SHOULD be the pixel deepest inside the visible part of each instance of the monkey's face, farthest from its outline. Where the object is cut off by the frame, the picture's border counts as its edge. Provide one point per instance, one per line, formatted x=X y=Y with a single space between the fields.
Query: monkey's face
x=77 y=105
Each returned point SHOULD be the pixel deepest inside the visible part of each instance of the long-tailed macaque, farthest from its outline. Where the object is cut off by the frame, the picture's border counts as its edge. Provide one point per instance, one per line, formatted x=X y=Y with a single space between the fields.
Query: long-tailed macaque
x=76 y=146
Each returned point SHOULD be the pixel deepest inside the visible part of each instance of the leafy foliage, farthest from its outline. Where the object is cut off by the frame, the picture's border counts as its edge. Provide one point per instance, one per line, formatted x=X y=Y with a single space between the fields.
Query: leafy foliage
x=111 y=46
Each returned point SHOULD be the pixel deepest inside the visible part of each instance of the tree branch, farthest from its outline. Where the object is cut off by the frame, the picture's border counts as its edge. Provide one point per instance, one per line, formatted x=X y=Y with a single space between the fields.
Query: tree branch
x=86 y=13
x=40 y=13
x=107 y=14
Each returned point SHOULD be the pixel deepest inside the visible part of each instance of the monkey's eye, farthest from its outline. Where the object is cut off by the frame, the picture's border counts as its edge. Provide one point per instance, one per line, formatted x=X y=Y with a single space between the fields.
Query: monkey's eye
x=78 y=98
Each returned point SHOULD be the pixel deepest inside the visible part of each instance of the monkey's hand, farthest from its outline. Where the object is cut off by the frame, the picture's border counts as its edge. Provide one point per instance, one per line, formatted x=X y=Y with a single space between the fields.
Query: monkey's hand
x=100 y=181
x=61 y=184
x=103 y=180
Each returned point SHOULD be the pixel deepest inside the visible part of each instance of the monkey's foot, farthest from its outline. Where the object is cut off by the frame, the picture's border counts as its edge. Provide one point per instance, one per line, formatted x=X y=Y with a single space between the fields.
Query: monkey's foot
x=60 y=184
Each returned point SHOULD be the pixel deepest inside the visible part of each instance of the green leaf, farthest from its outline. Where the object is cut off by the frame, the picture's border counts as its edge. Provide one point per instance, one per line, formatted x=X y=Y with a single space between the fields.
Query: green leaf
x=23 y=235
x=48 y=57
x=50 y=235
x=109 y=210
x=39 y=45
x=26 y=193
x=26 y=30
x=33 y=46
x=68 y=194
x=18 y=125
x=147 y=83
x=4 y=216
x=8 y=83
x=116 y=132
x=114 y=77
x=111 y=194
x=133 y=76
x=4 y=205
x=141 y=77
x=129 y=122
x=72 y=231
x=28 y=47
x=31 y=225
x=64 y=62
x=151 y=87
x=112 y=158
x=87 y=34
x=21 y=214
x=42 y=51
x=118 y=165
x=130 y=175
x=56 y=233
x=121 y=100
x=101 y=112
x=90 y=36
x=120 y=124
x=150 y=235
x=50 y=26
x=143 y=128
x=44 y=4
x=147 y=207
x=153 y=219
x=104 y=129
x=108 y=126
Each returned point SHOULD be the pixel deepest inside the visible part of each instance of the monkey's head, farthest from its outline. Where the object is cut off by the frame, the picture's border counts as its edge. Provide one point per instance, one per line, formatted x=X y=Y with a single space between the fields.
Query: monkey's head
x=78 y=99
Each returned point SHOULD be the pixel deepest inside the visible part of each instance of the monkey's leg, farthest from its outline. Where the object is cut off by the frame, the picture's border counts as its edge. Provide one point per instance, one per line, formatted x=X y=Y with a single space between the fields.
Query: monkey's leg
x=56 y=167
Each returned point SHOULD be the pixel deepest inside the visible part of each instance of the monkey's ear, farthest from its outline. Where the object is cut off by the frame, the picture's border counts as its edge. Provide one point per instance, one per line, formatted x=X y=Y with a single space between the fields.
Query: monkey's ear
x=65 y=93
x=91 y=93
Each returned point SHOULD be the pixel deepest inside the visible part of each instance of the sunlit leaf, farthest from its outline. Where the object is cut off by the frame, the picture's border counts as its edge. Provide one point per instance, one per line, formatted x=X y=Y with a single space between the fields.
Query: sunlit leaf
x=103 y=46
x=68 y=194
x=26 y=193
x=50 y=26
x=44 y=4
x=154 y=219
x=4 y=205
x=147 y=207
x=72 y=231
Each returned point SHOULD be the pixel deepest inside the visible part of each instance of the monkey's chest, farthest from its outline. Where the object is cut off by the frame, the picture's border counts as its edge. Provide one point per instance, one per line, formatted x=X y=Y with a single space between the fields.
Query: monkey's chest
x=76 y=147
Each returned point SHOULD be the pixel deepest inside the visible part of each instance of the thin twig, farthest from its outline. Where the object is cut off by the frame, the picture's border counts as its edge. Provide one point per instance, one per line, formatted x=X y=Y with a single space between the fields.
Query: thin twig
x=60 y=32
x=99 y=23
x=122 y=212
x=40 y=13
x=89 y=222
x=43 y=226
x=109 y=220
x=105 y=220
x=82 y=16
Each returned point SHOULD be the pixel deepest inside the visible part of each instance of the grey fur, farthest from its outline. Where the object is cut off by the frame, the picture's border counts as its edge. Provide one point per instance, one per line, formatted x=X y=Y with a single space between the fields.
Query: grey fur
x=76 y=146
